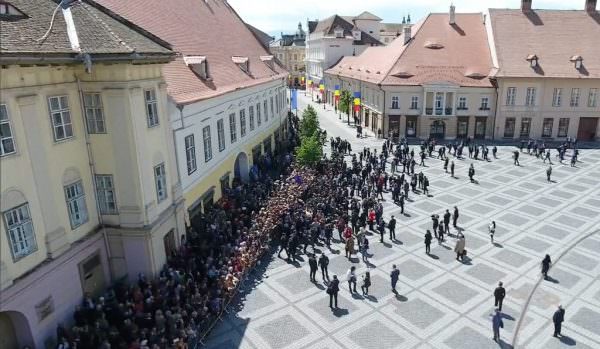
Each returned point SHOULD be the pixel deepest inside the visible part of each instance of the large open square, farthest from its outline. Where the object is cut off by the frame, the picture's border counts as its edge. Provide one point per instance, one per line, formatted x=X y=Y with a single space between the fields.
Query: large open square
x=443 y=303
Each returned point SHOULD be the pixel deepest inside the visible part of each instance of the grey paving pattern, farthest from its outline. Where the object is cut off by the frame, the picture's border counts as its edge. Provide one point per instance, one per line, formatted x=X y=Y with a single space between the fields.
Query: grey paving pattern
x=443 y=303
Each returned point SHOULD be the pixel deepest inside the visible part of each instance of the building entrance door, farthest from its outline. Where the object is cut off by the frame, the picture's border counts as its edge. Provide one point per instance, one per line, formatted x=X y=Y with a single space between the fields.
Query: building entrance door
x=480 y=128
x=587 y=129
x=92 y=275
x=169 y=243
x=437 y=129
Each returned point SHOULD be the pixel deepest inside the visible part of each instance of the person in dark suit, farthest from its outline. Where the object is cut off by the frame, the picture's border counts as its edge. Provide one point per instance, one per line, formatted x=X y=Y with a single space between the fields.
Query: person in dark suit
x=455 y=216
x=447 y=216
x=452 y=169
x=312 y=263
x=392 y=228
x=471 y=173
x=557 y=319
x=394 y=275
x=497 y=324
x=324 y=263
x=499 y=294
x=332 y=291
x=428 y=238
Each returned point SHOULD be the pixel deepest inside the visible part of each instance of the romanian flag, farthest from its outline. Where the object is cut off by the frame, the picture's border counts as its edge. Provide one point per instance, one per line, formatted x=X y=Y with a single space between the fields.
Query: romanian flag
x=356 y=104
x=337 y=93
x=322 y=88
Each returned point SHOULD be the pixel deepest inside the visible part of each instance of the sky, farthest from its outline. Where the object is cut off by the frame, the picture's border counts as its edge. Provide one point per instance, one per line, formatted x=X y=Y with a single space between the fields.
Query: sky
x=276 y=16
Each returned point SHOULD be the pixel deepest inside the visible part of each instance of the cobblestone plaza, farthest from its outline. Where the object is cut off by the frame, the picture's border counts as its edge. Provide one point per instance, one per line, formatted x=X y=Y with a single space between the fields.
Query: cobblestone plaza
x=443 y=303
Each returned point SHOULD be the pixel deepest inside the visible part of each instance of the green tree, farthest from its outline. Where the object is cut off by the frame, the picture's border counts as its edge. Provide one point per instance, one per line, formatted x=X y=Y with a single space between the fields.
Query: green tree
x=345 y=103
x=310 y=151
x=309 y=125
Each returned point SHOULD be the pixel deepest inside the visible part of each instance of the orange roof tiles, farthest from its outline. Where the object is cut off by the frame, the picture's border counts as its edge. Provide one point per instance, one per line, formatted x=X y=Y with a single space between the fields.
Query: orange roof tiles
x=554 y=36
x=209 y=28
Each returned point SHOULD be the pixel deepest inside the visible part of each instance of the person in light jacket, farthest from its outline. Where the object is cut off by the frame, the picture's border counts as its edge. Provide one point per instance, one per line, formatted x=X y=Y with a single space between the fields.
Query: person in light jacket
x=459 y=248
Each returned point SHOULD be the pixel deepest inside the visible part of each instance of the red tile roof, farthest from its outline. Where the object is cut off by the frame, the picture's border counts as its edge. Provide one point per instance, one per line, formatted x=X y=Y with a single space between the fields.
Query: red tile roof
x=437 y=52
x=554 y=36
x=208 y=28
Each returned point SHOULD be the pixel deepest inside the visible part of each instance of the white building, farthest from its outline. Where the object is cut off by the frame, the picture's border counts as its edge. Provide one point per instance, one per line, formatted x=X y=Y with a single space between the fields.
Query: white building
x=227 y=93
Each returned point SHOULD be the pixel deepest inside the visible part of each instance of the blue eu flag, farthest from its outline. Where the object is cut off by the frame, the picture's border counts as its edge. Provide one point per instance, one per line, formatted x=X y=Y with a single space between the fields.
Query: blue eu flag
x=294 y=99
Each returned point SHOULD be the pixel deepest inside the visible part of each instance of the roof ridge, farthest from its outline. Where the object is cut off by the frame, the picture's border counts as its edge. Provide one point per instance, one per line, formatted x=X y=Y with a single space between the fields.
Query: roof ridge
x=106 y=26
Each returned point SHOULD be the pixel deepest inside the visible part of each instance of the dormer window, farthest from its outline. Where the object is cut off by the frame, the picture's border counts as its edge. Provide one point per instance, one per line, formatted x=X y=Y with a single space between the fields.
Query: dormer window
x=339 y=32
x=199 y=65
x=578 y=61
x=268 y=61
x=533 y=60
x=356 y=34
x=7 y=9
x=242 y=62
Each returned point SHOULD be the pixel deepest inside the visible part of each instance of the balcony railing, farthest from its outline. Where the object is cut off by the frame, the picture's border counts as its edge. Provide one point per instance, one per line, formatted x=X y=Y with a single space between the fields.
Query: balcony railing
x=429 y=111
x=462 y=108
x=448 y=111
x=484 y=108
x=439 y=111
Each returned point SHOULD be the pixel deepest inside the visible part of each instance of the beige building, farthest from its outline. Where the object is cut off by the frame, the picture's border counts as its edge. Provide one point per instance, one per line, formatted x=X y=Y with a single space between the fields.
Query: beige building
x=548 y=83
x=227 y=101
x=429 y=82
x=290 y=51
x=89 y=186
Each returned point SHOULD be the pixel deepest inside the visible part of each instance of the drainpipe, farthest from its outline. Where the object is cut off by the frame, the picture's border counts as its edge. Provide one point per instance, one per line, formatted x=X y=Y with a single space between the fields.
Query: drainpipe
x=173 y=132
x=383 y=114
x=92 y=166
x=495 y=84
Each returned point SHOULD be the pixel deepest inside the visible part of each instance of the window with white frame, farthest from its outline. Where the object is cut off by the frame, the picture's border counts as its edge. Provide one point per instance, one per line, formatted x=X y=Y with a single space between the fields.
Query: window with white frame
x=160 y=178
x=485 y=103
x=272 y=109
x=207 y=143
x=105 y=192
x=414 y=102
x=563 y=127
x=190 y=154
x=232 y=128
x=258 y=118
x=151 y=107
x=593 y=98
x=277 y=103
x=511 y=95
x=557 y=97
x=19 y=227
x=530 y=96
x=395 y=102
x=221 y=134
x=76 y=205
x=462 y=103
x=94 y=115
x=242 y=122
x=266 y=111
x=7 y=140
x=251 y=117
x=439 y=100
x=61 y=117
x=575 y=97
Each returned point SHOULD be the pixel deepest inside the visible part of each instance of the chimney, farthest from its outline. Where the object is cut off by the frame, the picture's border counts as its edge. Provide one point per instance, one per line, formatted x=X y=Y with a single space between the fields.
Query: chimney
x=452 y=15
x=525 y=5
x=590 y=6
x=407 y=34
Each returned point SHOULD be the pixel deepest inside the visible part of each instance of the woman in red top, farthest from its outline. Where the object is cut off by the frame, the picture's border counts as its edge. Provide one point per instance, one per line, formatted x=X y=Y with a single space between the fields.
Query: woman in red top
x=371 y=218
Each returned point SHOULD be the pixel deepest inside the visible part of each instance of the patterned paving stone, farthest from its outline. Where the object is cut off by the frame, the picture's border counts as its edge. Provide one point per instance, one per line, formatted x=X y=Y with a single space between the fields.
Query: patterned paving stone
x=282 y=331
x=511 y=258
x=448 y=199
x=570 y=221
x=455 y=292
x=487 y=274
x=582 y=211
x=581 y=261
x=533 y=244
x=533 y=210
x=552 y=231
x=414 y=270
x=480 y=209
x=548 y=202
x=562 y=194
x=467 y=337
x=514 y=219
x=587 y=319
x=386 y=338
x=518 y=194
x=498 y=200
x=419 y=313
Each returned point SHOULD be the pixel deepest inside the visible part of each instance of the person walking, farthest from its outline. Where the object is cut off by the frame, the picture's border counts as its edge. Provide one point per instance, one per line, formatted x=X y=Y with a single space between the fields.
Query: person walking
x=455 y=216
x=349 y=247
x=499 y=294
x=459 y=248
x=394 y=275
x=497 y=324
x=557 y=319
x=381 y=229
x=364 y=249
x=492 y=230
x=471 y=173
x=392 y=228
x=332 y=290
x=516 y=158
x=312 y=262
x=446 y=164
x=447 y=216
x=546 y=262
x=428 y=239
x=324 y=263
x=351 y=278
x=366 y=283
x=549 y=173
x=452 y=169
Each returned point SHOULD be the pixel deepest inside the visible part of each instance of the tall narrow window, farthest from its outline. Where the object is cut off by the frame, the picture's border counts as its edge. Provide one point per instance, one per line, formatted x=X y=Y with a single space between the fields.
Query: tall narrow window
x=7 y=141
x=61 y=117
x=563 y=127
x=462 y=103
x=221 y=134
x=251 y=116
x=232 y=129
x=76 y=204
x=557 y=97
x=105 y=192
x=207 y=143
x=547 y=127
x=266 y=111
x=151 y=107
x=395 y=102
x=19 y=227
x=485 y=103
x=511 y=94
x=258 y=117
x=160 y=178
x=243 y=122
x=525 y=127
x=509 y=128
x=530 y=97
x=414 y=102
x=272 y=110
x=94 y=115
x=575 y=97
x=190 y=154
x=593 y=98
